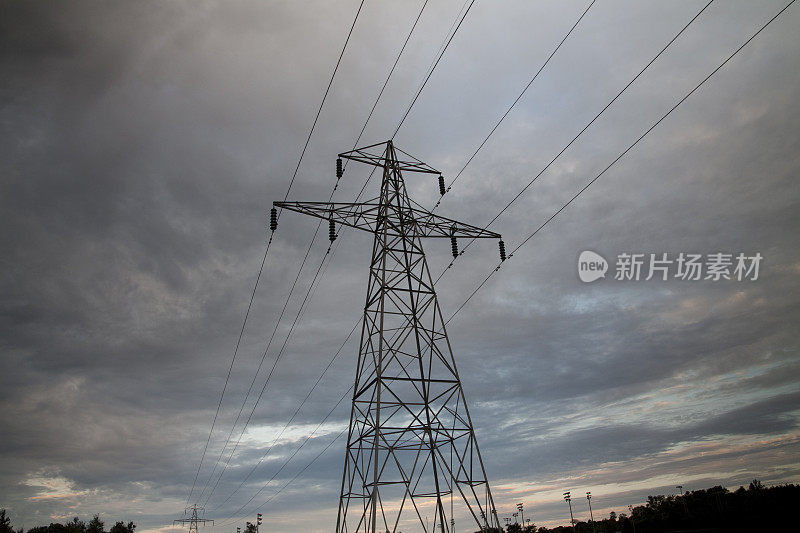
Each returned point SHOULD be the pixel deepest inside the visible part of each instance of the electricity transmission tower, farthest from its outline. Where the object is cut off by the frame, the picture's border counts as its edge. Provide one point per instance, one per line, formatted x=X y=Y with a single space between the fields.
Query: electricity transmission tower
x=411 y=447
x=193 y=520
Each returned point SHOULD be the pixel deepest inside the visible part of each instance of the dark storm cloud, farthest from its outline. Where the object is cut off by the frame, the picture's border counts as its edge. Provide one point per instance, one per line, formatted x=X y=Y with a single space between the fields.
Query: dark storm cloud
x=143 y=143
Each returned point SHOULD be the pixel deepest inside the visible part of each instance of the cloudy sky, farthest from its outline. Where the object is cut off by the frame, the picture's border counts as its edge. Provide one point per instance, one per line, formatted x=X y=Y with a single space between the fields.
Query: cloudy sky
x=143 y=143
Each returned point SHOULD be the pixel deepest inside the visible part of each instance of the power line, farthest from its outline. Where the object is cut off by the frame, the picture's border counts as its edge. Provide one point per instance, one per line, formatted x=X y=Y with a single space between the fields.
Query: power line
x=621 y=155
x=288 y=190
x=425 y=82
x=300 y=312
x=298 y=316
x=385 y=83
x=446 y=44
x=527 y=239
x=298 y=474
x=280 y=354
x=230 y=368
x=448 y=38
x=315 y=234
x=309 y=294
x=582 y=131
x=309 y=437
x=441 y=54
x=324 y=97
x=258 y=370
x=264 y=456
x=403 y=119
x=443 y=48
x=514 y=103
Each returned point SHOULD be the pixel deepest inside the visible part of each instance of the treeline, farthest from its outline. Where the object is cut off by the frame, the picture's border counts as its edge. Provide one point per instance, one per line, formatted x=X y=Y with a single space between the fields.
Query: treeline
x=95 y=525
x=757 y=509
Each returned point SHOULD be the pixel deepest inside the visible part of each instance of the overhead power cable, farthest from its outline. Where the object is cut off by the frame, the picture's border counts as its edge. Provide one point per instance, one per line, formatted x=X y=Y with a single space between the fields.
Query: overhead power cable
x=258 y=371
x=448 y=39
x=441 y=53
x=302 y=470
x=566 y=205
x=581 y=132
x=620 y=156
x=230 y=368
x=462 y=14
x=303 y=307
x=514 y=103
x=425 y=81
x=305 y=441
x=324 y=97
x=308 y=395
x=274 y=365
x=296 y=451
x=230 y=435
x=388 y=77
x=261 y=268
x=430 y=72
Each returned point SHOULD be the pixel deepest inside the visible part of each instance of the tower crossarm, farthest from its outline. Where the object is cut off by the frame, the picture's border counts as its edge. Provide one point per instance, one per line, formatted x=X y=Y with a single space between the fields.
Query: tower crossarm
x=365 y=216
x=375 y=155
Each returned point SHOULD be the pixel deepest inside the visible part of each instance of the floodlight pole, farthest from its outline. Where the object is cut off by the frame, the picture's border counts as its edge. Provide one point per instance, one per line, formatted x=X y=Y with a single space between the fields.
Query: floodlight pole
x=568 y=499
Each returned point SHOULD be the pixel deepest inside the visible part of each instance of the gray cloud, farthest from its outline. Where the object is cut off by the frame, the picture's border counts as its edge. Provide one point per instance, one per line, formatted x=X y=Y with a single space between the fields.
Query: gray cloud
x=144 y=142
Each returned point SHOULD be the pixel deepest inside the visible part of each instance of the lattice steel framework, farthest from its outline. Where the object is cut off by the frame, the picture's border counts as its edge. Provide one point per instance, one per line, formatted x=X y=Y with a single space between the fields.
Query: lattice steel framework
x=412 y=455
x=192 y=520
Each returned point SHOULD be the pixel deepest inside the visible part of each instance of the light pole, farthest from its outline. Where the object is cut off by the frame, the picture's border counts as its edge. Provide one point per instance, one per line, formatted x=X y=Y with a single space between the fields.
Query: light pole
x=680 y=489
x=521 y=513
x=568 y=499
x=591 y=515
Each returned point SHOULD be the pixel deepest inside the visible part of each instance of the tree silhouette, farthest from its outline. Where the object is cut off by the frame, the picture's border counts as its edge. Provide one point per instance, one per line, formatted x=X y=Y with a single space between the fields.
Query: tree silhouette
x=120 y=527
x=757 y=509
x=95 y=525
x=5 y=522
x=76 y=525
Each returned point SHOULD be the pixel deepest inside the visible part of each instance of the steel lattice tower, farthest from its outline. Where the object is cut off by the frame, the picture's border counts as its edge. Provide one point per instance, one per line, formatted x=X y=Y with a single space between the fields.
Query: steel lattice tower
x=411 y=454
x=193 y=520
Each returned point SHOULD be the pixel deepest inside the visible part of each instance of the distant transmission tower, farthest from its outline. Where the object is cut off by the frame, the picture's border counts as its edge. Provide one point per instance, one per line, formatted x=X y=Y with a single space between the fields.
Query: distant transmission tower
x=193 y=520
x=411 y=448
